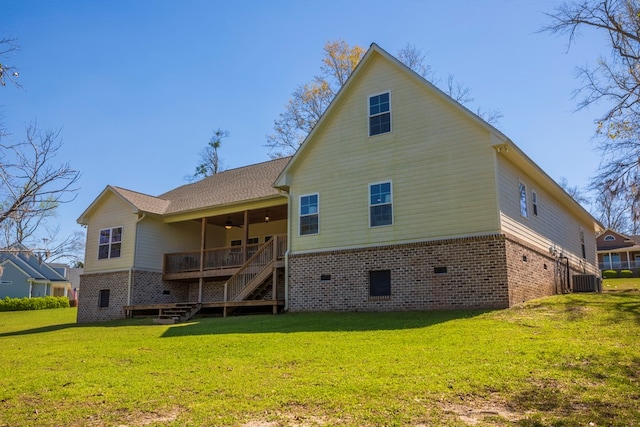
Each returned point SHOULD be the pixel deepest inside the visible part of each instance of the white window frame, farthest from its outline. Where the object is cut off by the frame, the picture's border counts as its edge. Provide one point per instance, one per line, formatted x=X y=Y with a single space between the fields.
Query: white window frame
x=609 y=238
x=583 y=247
x=316 y=213
x=110 y=242
x=380 y=204
x=523 y=205
x=370 y=116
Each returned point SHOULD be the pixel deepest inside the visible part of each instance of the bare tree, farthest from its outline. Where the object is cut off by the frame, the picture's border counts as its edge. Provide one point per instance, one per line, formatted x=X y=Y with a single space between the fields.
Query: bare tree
x=8 y=72
x=574 y=191
x=32 y=185
x=210 y=161
x=308 y=102
x=614 y=80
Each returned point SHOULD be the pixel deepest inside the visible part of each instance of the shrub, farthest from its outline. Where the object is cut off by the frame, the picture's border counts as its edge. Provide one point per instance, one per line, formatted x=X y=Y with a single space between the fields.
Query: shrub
x=21 y=304
x=609 y=274
x=626 y=273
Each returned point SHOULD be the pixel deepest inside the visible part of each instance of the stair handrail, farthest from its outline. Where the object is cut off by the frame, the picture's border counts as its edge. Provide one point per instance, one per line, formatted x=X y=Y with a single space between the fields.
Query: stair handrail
x=250 y=269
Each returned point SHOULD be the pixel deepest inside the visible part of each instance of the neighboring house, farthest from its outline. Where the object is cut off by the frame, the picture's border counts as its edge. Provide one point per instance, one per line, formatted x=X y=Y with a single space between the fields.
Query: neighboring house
x=399 y=199
x=618 y=252
x=24 y=275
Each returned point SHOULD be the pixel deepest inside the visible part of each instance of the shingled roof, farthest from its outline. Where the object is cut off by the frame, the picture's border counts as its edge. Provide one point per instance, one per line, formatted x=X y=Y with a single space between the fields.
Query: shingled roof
x=143 y=202
x=231 y=186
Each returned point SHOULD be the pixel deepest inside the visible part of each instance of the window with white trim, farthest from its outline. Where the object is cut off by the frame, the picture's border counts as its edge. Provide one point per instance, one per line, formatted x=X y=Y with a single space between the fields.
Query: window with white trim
x=379 y=114
x=534 y=202
x=582 y=245
x=309 y=220
x=523 y=200
x=110 y=243
x=380 y=204
x=609 y=238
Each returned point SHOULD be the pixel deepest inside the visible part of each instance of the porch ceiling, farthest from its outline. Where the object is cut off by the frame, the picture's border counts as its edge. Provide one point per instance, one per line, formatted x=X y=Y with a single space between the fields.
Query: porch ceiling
x=276 y=213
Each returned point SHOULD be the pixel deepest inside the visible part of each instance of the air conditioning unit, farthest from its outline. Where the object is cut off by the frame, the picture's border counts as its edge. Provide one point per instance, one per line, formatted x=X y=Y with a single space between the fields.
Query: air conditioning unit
x=586 y=283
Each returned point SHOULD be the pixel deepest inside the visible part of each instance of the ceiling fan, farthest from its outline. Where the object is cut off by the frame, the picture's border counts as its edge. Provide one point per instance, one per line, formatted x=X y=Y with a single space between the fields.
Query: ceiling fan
x=229 y=225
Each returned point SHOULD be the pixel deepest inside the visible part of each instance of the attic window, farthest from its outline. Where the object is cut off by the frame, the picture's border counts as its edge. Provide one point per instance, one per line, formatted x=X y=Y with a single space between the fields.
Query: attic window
x=609 y=238
x=379 y=114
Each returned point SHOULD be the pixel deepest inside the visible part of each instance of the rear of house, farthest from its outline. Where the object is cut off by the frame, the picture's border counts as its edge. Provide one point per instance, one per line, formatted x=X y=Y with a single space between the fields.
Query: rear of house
x=399 y=199
x=402 y=199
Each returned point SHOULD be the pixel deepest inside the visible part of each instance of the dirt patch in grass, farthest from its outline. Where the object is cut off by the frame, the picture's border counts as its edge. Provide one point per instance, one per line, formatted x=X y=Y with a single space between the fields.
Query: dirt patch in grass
x=150 y=418
x=477 y=411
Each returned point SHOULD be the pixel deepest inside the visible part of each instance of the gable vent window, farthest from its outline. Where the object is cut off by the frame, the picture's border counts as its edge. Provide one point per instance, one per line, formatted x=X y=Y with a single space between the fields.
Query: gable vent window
x=379 y=114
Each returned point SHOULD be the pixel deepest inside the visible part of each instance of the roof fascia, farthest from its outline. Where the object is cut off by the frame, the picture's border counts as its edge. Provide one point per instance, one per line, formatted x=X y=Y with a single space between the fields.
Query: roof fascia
x=514 y=154
x=82 y=219
x=21 y=270
x=226 y=209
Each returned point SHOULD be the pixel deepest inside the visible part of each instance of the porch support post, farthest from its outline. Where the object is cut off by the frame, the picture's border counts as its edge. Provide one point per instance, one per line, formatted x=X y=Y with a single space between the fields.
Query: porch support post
x=629 y=260
x=246 y=236
x=274 y=277
x=203 y=242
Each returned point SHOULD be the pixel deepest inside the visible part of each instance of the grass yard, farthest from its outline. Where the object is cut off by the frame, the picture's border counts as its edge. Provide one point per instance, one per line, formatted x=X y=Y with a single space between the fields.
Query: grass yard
x=621 y=285
x=571 y=360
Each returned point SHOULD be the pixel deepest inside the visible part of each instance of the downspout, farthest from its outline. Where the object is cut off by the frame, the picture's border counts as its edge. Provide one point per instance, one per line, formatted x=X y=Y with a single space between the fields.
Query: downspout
x=286 y=253
x=135 y=253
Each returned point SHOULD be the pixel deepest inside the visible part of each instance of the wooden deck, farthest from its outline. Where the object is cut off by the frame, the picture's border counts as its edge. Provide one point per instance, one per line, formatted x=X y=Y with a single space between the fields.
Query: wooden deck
x=154 y=310
x=216 y=262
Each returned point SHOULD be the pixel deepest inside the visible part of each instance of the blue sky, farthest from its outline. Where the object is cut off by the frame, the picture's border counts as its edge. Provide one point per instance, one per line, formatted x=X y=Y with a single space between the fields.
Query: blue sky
x=138 y=87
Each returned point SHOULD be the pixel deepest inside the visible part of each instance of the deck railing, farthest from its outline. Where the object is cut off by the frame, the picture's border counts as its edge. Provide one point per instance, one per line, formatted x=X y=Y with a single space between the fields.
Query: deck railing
x=254 y=267
x=217 y=258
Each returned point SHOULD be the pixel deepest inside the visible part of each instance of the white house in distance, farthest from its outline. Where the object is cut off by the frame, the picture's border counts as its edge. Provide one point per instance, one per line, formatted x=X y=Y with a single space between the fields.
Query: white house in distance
x=399 y=199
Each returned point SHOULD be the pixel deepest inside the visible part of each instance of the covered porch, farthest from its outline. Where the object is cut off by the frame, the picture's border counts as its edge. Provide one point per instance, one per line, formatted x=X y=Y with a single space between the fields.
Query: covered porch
x=227 y=242
x=237 y=262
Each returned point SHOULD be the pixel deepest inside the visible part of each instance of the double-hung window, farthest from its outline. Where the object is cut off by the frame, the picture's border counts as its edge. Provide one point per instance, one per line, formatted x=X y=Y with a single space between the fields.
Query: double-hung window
x=110 y=243
x=523 y=200
x=379 y=114
x=309 y=214
x=380 y=204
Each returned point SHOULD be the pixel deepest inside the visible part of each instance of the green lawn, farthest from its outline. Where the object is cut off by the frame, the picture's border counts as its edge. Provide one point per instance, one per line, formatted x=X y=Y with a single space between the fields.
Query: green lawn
x=562 y=361
x=621 y=285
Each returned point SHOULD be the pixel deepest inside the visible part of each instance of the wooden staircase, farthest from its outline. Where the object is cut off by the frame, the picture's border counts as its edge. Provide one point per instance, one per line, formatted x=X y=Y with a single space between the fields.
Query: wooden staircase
x=182 y=312
x=251 y=281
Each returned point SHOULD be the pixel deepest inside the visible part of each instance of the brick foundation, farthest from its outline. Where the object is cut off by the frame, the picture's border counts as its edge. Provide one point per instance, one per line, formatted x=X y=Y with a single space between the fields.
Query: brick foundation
x=476 y=277
x=91 y=284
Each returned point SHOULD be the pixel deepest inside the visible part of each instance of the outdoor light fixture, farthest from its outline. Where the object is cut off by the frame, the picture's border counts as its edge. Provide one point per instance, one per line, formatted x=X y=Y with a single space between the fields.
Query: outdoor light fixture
x=228 y=224
x=266 y=217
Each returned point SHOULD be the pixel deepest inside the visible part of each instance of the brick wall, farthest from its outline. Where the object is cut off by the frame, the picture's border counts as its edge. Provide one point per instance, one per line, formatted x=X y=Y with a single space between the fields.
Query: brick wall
x=476 y=277
x=91 y=284
x=149 y=288
x=532 y=273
